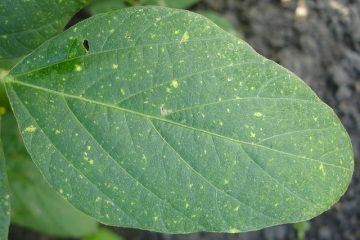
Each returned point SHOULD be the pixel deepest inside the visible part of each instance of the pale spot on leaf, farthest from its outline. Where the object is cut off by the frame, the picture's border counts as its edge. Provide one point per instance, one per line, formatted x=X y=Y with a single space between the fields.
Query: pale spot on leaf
x=2 y=110
x=174 y=83
x=321 y=168
x=77 y=67
x=185 y=37
x=164 y=111
x=30 y=129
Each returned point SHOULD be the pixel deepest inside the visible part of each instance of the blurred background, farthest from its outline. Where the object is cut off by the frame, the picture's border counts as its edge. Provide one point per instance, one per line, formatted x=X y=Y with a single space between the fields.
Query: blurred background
x=319 y=40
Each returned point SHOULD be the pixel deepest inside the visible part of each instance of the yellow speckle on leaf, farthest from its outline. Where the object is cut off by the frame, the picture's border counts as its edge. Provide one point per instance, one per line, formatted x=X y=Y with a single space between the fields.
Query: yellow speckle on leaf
x=2 y=110
x=252 y=134
x=174 y=83
x=90 y=161
x=185 y=37
x=57 y=131
x=187 y=205
x=115 y=66
x=30 y=129
x=78 y=68
x=236 y=209
x=168 y=90
x=112 y=30
x=226 y=181
x=156 y=218
x=258 y=114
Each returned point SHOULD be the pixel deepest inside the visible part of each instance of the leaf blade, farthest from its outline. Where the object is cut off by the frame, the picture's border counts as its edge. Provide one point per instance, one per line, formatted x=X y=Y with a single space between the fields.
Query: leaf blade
x=138 y=94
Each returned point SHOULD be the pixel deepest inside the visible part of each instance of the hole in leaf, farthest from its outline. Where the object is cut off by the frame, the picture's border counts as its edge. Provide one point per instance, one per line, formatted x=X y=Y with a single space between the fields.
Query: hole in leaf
x=86 y=45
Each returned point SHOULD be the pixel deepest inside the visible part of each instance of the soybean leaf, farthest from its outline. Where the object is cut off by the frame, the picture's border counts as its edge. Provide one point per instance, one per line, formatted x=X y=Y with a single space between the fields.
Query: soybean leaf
x=4 y=196
x=102 y=6
x=6 y=64
x=166 y=122
x=34 y=204
x=24 y=25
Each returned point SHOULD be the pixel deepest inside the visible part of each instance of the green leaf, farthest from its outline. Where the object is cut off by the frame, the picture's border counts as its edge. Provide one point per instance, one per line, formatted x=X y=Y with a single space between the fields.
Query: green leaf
x=4 y=196
x=6 y=64
x=102 y=6
x=103 y=234
x=221 y=21
x=34 y=204
x=27 y=24
x=168 y=123
x=183 y=4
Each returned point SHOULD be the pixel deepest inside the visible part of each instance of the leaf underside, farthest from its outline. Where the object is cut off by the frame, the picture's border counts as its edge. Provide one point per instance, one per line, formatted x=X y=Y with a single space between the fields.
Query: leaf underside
x=33 y=203
x=24 y=25
x=168 y=123
x=4 y=196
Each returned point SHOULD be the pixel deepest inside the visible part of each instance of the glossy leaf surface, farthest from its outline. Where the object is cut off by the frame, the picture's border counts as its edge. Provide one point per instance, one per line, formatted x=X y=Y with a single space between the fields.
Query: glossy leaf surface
x=34 y=204
x=168 y=123
x=24 y=25
x=102 y=6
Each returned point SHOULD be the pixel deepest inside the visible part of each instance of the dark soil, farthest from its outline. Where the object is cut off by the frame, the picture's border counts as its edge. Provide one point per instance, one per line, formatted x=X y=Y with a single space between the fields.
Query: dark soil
x=324 y=50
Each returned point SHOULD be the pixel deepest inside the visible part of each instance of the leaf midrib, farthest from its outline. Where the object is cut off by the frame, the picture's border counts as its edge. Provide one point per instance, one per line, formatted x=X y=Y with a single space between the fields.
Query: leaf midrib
x=66 y=95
